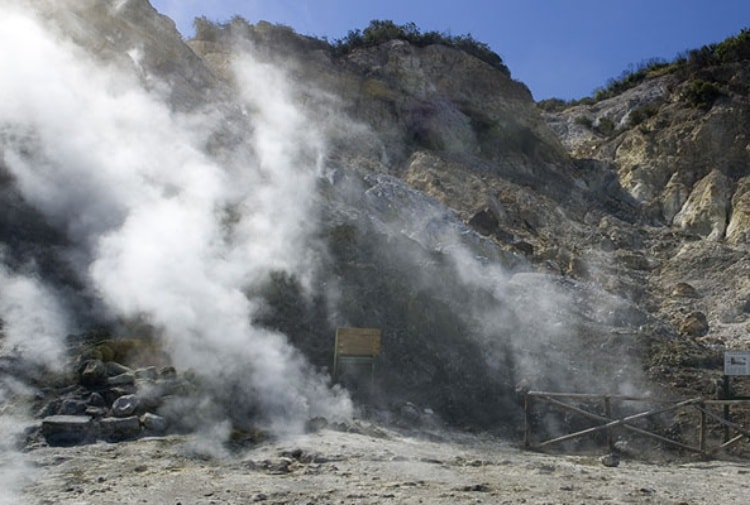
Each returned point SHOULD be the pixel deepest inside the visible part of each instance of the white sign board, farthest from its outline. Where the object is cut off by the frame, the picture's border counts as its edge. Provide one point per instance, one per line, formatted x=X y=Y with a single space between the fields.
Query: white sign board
x=737 y=363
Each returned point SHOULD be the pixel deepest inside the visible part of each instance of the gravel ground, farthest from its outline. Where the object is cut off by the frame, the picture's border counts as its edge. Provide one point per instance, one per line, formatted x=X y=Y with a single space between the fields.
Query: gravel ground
x=333 y=467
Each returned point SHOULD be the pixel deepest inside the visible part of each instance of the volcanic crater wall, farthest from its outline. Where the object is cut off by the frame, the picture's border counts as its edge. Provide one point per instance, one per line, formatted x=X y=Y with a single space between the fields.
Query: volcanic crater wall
x=247 y=192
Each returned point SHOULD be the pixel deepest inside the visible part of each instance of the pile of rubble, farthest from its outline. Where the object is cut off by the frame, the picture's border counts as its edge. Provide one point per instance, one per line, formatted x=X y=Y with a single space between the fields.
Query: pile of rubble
x=111 y=402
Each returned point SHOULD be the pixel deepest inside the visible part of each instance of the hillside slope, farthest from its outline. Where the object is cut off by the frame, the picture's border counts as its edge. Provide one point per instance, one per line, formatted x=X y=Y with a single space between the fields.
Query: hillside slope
x=676 y=144
x=237 y=197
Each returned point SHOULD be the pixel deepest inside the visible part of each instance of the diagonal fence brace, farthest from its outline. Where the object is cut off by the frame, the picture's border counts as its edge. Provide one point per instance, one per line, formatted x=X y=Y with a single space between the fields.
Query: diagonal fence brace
x=619 y=422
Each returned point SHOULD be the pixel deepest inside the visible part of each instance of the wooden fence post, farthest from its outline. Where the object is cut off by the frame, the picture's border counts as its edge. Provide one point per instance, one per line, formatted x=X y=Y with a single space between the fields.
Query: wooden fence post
x=610 y=431
x=702 y=432
x=726 y=396
x=527 y=420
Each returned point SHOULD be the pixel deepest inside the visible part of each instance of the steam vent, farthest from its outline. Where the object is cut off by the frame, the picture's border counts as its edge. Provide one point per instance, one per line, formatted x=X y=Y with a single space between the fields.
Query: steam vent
x=191 y=229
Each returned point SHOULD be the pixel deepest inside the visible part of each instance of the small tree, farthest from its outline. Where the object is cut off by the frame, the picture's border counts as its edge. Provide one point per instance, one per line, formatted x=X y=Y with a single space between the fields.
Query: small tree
x=735 y=48
x=702 y=94
x=206 y=30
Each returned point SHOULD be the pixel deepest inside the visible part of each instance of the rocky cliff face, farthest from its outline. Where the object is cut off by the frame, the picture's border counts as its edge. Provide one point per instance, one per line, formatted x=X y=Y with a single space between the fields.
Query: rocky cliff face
x=642 y=194
x=271 y=189
x=679 y=154
x=433 y=127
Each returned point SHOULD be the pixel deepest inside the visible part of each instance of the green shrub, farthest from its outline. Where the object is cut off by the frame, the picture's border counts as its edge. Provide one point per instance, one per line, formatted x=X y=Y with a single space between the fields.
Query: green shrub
x=552 y=104
x=263 y=33
x=687 y=64
x=380 y=31
x=557 y=104
x=631 y=77
x=206 y=30
x=640 y=114
x=701 y=94
x=735 y=48
x=700 y=58
x=605 y=126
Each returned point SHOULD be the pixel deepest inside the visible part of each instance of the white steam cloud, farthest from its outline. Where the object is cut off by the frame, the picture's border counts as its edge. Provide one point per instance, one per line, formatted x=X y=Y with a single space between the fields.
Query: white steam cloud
x=163 y=229
x=15 y=473
x=32 y=319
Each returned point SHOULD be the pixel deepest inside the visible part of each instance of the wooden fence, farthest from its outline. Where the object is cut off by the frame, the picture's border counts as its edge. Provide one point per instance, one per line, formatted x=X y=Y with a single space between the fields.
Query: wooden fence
x=609 y=424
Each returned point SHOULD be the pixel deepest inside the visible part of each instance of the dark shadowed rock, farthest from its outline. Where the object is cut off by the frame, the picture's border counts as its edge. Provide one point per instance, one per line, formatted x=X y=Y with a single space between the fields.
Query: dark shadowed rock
x=95 y=412
x=114 y=368
x=120 y=428
x=94 y=373
x=97 y=400
x=484 y=222
x=67 y=430
x=50 y=408
x=113 y=393
x=124 y=379
x=149 y=373
x=153 y=423
x=125 y=406
x=168 y=372
x=695 y=325
x=524 y=248
x=72 y=407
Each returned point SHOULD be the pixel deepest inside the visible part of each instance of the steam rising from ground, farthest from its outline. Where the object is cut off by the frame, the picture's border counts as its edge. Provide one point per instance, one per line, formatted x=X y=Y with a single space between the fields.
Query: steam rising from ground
x=14 y=472
x=176 y=218
x=162 y=230
x=29 y=308
x=528 y=328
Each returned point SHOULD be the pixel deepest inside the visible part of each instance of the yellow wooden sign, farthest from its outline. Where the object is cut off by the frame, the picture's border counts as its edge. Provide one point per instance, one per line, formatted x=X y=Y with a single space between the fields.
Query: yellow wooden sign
x=356 y=345
x=358 y=341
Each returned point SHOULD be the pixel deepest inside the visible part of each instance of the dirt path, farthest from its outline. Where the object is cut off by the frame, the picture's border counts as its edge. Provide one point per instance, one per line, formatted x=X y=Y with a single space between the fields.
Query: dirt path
x=333 y=467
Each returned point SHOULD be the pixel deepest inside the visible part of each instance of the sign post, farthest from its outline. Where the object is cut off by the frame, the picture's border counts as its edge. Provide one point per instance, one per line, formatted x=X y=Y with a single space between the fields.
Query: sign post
x=356 y=345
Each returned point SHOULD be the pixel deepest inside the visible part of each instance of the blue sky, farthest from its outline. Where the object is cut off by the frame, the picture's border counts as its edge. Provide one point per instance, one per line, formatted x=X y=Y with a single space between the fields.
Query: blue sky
x=558 y=48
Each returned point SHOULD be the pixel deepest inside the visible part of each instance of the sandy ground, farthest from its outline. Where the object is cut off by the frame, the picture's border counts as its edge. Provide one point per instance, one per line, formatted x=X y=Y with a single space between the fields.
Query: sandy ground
x=332 y=467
